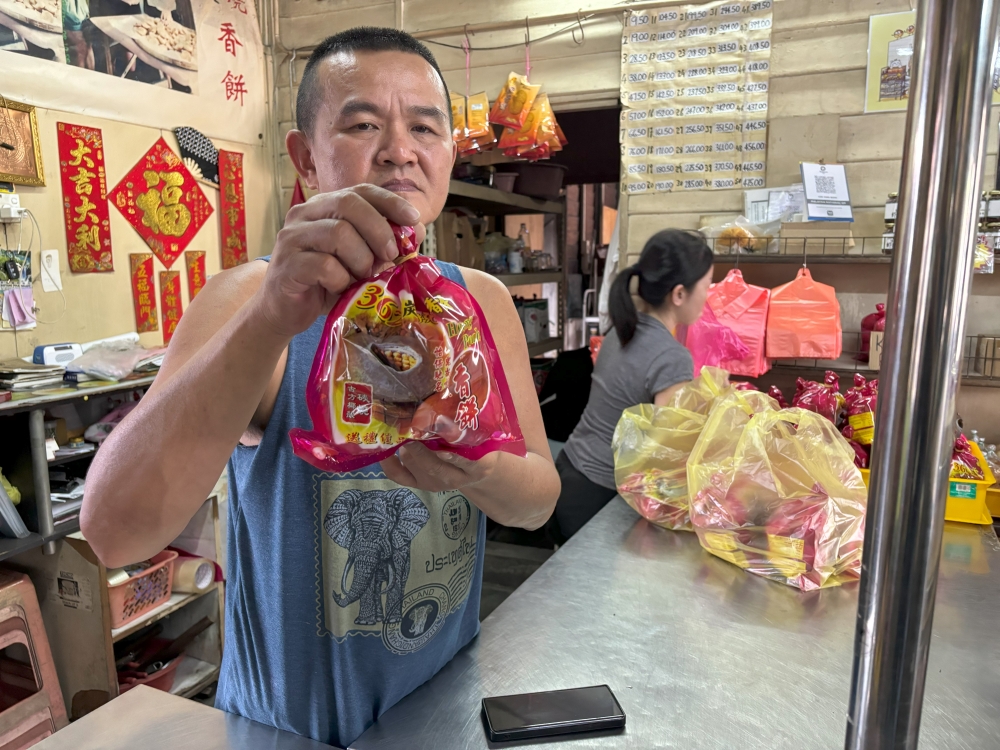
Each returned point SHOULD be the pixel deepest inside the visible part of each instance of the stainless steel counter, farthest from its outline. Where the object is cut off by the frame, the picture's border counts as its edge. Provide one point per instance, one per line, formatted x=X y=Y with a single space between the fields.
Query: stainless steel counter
x=149 y=719
x=703 y=655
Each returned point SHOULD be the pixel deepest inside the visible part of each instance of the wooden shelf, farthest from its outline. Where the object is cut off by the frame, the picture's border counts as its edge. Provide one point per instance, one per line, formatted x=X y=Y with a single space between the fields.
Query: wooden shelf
x=529 y=277
x=487 y=200
x=796 y=260
x=71 y=393
x=176 y=602
x=547 y=345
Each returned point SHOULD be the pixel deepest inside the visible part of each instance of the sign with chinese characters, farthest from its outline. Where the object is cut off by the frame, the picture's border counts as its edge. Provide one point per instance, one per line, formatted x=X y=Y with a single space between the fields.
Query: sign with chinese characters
x=143 y=293
x=85 y=198
x=195 y=261
x=232 y=209
x=163 y=202
x=694 y=90
x=170 y=302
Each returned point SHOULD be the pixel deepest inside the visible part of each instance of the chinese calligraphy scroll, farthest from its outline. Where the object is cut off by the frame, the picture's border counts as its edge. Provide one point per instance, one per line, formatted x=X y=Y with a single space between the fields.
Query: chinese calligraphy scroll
x=232 y=204
x=85 y=198
x=195 y=260
x=170 y=302
x=143 y=293
x=163 y=202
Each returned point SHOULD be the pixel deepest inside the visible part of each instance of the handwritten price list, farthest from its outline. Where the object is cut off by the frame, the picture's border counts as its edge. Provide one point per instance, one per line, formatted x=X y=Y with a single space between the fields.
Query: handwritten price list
x=694 y=91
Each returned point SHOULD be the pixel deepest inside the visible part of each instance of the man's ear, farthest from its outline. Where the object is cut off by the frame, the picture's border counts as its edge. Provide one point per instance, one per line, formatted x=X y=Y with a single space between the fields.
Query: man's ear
x=300 y=152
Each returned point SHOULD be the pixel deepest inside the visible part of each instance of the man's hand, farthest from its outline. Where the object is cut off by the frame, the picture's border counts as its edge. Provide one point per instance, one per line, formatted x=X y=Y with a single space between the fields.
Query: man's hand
x=417 y=466
x=328 y=243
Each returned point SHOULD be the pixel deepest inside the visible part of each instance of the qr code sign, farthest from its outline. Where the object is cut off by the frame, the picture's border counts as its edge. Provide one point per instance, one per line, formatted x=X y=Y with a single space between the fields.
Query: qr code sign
x=825 y=184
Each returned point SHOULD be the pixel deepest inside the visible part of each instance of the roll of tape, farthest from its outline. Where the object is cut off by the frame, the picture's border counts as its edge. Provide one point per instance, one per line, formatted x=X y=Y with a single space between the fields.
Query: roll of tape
x=193 y=576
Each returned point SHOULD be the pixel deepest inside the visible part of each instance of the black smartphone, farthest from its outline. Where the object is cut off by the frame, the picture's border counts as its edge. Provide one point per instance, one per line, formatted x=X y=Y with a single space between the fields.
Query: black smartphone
x=519 y=717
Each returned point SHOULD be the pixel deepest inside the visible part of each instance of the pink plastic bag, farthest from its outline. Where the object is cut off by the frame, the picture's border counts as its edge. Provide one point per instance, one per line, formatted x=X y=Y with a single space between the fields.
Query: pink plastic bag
x=406 y=355
x=743 y=308
x=711 y=343
x=803 y=320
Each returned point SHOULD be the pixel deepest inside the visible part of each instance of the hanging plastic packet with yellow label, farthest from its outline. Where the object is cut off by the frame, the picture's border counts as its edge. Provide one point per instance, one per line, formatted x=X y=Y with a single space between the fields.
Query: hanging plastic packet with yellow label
x=477 y=116
x=458 y=131
x=471 y=146
x=512 y=106
x=526 y=136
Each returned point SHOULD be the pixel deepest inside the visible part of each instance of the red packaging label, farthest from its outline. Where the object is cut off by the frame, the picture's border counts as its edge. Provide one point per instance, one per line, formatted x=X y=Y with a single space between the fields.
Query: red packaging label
x=357 y=403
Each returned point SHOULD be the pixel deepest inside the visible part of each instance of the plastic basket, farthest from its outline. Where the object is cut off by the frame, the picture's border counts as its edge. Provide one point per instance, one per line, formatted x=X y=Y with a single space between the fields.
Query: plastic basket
x=966 y=497
x=141 y=593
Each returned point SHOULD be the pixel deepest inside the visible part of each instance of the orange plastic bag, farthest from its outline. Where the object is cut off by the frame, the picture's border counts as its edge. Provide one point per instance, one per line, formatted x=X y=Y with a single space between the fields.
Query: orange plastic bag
x=743 y=308
x=803 y=320
x=514 y=102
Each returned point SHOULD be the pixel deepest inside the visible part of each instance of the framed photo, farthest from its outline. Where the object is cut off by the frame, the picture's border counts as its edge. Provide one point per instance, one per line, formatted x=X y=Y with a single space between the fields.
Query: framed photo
x=20 y=151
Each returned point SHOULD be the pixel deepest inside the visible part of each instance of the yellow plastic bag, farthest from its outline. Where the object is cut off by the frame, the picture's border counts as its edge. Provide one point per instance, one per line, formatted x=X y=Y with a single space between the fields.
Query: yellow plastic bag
x=651 y=446
x=777 y=493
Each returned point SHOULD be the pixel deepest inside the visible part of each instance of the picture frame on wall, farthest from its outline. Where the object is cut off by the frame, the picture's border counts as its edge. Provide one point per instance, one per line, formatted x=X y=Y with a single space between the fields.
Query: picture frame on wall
x=20 y=149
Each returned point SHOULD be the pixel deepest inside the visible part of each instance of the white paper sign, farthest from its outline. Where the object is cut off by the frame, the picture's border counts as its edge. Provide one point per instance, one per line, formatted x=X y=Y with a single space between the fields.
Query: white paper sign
x=827 y=196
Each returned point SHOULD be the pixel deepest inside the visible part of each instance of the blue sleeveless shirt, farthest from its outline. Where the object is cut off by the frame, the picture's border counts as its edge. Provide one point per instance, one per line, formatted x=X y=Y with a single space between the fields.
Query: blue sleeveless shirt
x=344 y=592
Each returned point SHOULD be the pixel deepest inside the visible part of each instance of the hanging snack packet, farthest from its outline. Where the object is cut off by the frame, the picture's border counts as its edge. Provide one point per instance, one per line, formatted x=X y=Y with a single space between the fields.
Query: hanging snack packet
x=822 y=398
x=859 y=406
x=406 y=355
x=471 y=146
x=514 y=102
x=477 y=115
x=527 y=136
x=458 y=131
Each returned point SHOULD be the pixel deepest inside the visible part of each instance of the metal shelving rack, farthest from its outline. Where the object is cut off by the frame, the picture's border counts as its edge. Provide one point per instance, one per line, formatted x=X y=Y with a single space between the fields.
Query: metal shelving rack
x=487 y=201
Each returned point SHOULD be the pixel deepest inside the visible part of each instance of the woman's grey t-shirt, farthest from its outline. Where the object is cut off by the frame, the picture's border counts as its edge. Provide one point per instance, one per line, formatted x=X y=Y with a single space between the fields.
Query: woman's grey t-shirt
x=651 y=362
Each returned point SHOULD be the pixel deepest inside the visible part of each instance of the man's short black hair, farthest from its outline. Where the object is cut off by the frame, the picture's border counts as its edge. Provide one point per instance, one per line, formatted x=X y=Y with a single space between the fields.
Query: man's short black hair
x=358 y=39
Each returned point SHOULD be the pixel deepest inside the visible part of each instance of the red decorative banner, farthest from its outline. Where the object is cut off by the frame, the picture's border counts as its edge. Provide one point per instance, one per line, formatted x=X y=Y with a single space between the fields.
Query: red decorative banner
x=195 y=260
x=143 y=293
x=232 y=206
x=163 y=202
x=85 y=198
x=170 y=302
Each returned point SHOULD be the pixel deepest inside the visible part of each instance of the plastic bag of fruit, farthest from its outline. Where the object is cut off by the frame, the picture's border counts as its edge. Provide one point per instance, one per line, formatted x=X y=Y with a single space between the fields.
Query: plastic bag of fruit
x=777 y=493
x=651 y=447
x=406 y=355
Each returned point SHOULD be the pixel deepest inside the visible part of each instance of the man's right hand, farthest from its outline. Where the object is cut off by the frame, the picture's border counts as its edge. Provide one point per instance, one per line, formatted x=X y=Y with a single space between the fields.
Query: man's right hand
x=328 y=243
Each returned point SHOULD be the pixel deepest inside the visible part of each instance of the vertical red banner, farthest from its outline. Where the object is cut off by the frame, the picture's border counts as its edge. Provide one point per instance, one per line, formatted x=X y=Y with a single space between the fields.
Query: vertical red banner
x=170 y=302
x=195 y=261
x=85 y=198
x=232 y=204
x=143 y=293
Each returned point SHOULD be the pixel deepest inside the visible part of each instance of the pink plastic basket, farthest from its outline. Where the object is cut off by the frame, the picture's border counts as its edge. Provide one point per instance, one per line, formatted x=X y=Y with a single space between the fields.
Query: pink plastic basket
x=136 y=596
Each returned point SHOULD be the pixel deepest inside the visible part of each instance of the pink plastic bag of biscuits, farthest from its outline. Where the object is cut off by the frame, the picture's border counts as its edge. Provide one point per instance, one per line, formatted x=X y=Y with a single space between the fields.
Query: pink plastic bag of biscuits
x=406 y=355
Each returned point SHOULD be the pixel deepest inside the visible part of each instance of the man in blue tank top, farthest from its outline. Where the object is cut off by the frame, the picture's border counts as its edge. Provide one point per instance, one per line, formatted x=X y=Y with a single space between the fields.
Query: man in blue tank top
x=344 y=591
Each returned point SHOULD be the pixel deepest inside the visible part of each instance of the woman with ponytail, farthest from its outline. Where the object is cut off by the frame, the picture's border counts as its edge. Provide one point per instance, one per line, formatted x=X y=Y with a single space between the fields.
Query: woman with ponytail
x=640 y=362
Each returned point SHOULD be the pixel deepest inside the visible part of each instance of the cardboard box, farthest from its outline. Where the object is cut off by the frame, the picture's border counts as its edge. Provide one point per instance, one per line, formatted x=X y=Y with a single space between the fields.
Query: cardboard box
x=816 y=238
x=875 y=350
x=988 y=356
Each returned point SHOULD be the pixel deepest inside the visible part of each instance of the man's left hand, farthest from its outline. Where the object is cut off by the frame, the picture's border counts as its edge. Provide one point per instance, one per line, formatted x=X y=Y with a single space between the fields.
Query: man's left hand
x=417 y=466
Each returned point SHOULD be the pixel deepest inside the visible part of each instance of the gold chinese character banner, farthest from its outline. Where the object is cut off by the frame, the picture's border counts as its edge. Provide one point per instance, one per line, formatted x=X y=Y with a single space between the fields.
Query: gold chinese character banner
x=163 y=202
x=232 y=207
x=694 y=91
x=143 y=292
x=170 y=302
x=195 y=261
x=85 y=198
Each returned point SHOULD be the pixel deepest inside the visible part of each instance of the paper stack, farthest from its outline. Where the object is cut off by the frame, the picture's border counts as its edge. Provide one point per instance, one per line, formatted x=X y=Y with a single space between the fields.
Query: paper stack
x=18 y=375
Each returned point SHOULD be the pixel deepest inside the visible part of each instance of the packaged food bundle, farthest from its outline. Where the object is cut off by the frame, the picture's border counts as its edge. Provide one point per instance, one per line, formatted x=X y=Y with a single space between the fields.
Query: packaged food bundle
x=651 y=446
x=803 y=320
x=823 y=398
x=470 y=146
x=406 y=355
x=458 y=132
x=775 y=393
x=710 y=342
x=778 y=494
x=872 y=322
x=514 y=102
x=537 y=137
x=477 y=116
x=859 y=406
x=964 y=463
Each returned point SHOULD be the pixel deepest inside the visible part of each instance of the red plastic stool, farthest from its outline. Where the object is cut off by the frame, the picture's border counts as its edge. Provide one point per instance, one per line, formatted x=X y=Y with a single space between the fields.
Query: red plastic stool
x=31 y=701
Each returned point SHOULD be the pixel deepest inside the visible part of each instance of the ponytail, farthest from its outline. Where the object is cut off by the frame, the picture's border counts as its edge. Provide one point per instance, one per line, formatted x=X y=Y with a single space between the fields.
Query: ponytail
x=671 y=258
x=621 y=308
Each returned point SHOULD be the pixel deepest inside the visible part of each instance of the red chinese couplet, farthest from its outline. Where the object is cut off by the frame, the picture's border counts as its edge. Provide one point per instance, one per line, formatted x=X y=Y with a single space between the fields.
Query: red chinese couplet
x=195 y=260
x=163 y=202
x=170 y=302
x=143 y=293
x=85 y=198
x=232 y=205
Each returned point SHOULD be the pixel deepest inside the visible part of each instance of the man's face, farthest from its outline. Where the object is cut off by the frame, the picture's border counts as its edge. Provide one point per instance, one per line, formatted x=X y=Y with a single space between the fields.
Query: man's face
x=382 y=119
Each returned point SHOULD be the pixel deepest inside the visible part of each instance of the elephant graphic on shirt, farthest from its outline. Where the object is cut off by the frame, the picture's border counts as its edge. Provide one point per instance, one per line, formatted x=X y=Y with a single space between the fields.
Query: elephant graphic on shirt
x=376 y=528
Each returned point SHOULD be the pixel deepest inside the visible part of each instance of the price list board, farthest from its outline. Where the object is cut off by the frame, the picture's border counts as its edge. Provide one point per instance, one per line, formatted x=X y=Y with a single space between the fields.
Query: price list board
x=694 y=91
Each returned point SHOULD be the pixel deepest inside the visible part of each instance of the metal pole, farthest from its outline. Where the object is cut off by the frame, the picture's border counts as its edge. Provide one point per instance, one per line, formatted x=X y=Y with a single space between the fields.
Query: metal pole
x=40 y=474
x=931 y=273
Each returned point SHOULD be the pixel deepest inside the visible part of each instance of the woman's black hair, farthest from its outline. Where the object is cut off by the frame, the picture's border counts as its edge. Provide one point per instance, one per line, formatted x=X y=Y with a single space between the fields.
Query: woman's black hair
x=670 y=257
